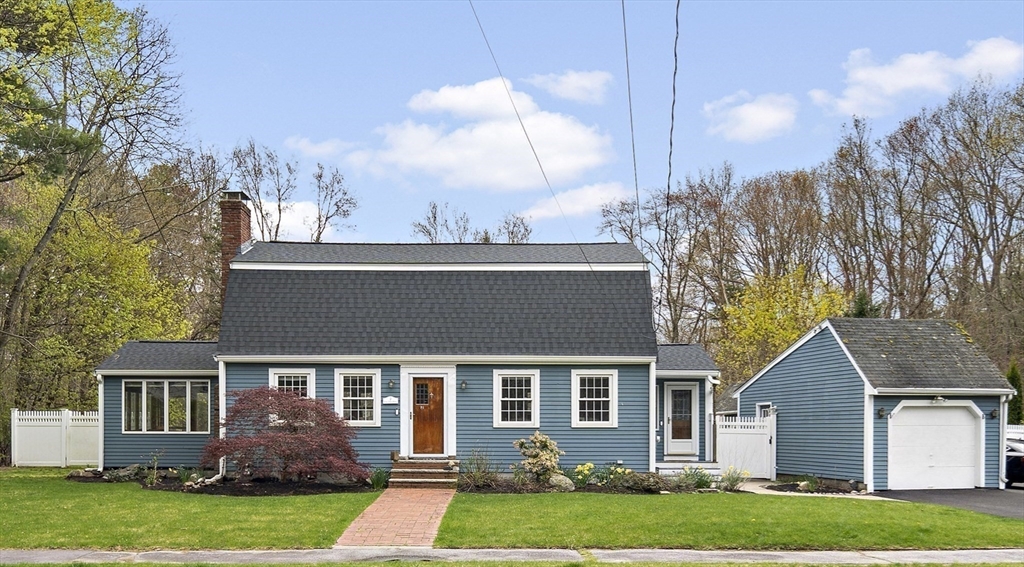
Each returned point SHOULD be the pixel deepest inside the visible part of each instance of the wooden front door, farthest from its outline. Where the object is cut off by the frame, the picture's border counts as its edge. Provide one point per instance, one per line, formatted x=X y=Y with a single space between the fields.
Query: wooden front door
x=428 y=416
x=681 y=425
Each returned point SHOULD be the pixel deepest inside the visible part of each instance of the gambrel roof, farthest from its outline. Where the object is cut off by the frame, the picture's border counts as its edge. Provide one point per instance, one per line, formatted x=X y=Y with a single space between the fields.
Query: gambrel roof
x=435 y=300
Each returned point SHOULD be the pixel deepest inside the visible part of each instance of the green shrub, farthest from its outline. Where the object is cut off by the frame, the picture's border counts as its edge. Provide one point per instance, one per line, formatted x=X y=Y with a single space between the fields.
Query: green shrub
x=540 y=454
x=650 y=482
x=694 y=478
x=477 y=471
x=379 y=478
x=732 y=479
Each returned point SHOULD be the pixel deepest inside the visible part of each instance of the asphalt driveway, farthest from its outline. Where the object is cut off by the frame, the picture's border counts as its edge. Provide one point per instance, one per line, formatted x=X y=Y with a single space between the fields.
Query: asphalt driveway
x=1008 y=503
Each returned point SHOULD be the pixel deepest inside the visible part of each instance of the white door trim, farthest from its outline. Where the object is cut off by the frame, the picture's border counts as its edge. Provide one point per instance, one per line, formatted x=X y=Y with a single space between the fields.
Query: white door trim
x=407 y=373
x=695 y=422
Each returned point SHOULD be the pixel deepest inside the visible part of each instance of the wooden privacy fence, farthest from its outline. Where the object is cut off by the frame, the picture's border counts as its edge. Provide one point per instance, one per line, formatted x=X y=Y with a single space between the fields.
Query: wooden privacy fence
x=747 y=443
x=56 y=438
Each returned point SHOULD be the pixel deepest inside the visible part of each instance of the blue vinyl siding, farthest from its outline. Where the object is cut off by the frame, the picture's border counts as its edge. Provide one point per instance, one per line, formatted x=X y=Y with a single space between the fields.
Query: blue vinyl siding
x=628 y=442
x=123 y=449
x=881 y=436
x=820 y=403
x=702 y=420
x=374 y=444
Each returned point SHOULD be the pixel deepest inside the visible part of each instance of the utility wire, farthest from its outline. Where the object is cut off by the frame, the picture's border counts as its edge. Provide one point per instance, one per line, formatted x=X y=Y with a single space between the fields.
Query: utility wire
x=522 y=125
x=672 y=116
x=632 y=135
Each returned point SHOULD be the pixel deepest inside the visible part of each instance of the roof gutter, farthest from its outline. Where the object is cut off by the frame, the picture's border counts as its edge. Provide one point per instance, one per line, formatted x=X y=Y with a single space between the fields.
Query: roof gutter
x=120 y=372
x=435 y=359
x=944 y=391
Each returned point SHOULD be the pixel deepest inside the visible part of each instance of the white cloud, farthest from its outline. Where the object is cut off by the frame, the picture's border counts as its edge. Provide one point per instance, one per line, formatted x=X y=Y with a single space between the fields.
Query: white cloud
x=296 y=222
x=489 y=151
x=577 y=202
x=581 y=86
x=317 y=150
x=486 y=99
x=873 y=89
x=741 y=117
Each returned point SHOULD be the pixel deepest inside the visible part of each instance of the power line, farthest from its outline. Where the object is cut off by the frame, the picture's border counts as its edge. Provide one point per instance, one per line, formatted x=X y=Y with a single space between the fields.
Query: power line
x=632 y=135
x=522 y=125
x=672 y=116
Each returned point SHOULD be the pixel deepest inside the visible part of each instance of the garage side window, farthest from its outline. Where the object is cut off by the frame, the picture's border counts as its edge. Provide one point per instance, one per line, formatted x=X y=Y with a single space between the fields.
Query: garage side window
x=166 y=406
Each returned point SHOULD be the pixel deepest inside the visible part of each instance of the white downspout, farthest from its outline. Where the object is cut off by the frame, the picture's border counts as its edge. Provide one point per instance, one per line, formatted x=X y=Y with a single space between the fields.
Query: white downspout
x=222 y=396
x=653 y=411
x=1003 y=403
x=102 y=428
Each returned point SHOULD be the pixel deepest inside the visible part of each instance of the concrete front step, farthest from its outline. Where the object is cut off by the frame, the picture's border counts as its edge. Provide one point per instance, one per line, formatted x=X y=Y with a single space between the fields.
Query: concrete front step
x=422 y=483
x=406 y=474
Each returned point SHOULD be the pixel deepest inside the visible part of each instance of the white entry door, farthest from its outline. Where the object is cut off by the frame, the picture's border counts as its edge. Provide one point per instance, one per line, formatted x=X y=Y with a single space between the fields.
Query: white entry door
x=682 y=428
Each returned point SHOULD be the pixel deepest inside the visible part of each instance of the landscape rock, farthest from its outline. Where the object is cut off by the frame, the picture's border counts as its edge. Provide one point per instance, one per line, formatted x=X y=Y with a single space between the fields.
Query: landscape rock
x=561 y=483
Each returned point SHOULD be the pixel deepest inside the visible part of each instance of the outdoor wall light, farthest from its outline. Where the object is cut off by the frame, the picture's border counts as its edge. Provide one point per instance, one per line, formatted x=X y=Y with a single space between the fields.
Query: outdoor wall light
x=881 y=413
x=463 y=385
x=391 y=383
x=994 y=413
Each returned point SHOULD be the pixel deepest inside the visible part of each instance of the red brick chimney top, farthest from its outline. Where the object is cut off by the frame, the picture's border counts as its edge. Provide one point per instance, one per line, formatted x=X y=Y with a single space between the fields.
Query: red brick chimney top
x=235 y=230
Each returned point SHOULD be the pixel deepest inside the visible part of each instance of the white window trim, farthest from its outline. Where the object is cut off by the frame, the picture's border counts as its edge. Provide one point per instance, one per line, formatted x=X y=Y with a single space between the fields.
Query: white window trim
x=310 y=378
x=534 y=375
x=613 y=385
x=167 y=398
x=339 y=401
x=758 y=407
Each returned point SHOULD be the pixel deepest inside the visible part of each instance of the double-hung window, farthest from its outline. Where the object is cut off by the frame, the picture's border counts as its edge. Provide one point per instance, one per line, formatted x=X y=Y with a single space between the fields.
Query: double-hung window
x=517 y=398
x=356 y=396
x=301 y=381
x=595 y=398
x=166 y=406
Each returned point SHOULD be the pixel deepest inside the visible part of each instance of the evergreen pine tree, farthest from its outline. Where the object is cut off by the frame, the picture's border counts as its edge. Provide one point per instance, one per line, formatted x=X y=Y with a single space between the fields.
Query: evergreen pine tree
x=1016 y=405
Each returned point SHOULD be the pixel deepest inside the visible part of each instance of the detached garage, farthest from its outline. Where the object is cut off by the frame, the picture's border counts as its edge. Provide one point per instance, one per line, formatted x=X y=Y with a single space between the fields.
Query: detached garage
x=892 y=404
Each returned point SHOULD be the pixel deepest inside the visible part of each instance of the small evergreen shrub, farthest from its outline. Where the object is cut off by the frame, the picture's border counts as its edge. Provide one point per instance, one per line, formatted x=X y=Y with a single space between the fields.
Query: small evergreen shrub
x=477 y=471
x=379 y=479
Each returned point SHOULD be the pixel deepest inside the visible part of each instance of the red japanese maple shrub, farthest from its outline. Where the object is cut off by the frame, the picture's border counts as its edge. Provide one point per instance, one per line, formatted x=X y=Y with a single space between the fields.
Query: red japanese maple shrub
x=277 y=434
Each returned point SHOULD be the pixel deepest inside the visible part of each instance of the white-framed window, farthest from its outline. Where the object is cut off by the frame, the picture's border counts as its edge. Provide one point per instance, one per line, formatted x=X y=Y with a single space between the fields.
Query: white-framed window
x=517 y=398
x=165 y=406
x=301 y=381
x=357 y=396
x=595 y=398
x=763 y=409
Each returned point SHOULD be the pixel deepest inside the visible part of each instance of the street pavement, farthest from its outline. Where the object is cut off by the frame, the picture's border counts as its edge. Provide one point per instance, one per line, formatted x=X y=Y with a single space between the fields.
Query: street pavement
x=366 y=553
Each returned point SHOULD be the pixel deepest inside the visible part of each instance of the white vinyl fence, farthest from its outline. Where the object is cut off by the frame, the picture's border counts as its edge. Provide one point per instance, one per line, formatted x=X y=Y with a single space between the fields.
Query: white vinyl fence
x=1015 y=432
x=747 y=443
x=56 y=438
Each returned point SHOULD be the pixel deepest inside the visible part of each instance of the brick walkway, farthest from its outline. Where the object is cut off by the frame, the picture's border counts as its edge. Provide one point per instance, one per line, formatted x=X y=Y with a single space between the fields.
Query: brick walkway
x=401 y=516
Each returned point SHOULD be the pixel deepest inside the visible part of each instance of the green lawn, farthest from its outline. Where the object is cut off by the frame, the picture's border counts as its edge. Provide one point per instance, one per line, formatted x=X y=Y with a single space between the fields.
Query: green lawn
x=39 y=509
x=501 y=564
x=715 y=521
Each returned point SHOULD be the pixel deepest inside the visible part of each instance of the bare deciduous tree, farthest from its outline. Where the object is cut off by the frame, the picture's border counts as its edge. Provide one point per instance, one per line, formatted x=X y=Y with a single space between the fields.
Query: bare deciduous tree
x=333 y=201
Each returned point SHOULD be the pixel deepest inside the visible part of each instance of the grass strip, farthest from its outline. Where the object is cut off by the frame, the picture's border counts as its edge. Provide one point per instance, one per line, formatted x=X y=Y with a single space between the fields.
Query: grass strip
x=716 y=521
x=39 y=509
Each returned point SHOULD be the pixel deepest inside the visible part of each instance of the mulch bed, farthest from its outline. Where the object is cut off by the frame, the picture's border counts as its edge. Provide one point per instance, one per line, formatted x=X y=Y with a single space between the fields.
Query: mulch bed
x=259 y=488
x=795 y=487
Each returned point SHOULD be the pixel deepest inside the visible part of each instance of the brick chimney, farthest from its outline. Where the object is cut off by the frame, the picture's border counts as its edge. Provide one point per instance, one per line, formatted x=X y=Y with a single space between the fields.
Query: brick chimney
x=235 y=230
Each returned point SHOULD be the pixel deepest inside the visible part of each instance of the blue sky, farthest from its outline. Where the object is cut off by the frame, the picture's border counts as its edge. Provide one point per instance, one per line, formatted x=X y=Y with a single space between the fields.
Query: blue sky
x=404 y=99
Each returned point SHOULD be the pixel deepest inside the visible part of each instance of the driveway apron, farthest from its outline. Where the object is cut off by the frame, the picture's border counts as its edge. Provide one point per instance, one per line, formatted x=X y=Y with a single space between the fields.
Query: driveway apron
x=400 y=517
x=1008 y=503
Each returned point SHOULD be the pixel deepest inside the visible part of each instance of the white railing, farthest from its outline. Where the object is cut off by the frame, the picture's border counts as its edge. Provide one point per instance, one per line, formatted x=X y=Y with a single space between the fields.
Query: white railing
x=57 y=438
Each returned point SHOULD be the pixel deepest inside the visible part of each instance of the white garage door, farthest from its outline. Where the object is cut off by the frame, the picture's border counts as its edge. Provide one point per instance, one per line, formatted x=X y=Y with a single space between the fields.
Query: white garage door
x=933 y=447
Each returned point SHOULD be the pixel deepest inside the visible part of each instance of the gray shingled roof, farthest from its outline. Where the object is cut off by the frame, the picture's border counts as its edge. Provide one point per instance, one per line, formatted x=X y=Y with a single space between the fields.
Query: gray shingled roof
x=724 y=402
x=325 y=312
x=162 y=355
x=907 y=353
x=341 y=253
x=684 y=357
